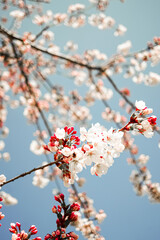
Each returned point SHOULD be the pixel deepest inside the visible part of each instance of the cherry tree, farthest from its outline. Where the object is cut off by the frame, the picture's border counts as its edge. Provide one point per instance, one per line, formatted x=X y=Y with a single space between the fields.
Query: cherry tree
x=81 y=120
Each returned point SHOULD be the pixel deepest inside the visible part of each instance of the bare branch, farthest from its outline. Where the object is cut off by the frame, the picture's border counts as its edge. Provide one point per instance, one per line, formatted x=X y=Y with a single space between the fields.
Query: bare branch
x=27 y=173
x=120 y=93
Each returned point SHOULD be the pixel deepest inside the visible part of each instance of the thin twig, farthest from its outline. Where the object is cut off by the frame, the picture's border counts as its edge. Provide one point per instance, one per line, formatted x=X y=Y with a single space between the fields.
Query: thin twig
x=117 y=90
x=20 y=64
x=27 y=173
x=12 y=36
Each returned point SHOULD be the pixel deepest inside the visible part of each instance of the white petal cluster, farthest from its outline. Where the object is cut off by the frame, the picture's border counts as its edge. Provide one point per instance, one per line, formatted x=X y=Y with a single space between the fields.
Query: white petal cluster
x=102 y=146
x=152 y=79
x=76 y=7
x=100 y=4
x=153 y=192
x=70 y=46
x=36 y=148
x=60 y=133
x=48 y=35
x=124 y=47
x=143 y=159
x=99 y=148
x=2 y=178
x=6 y=156
x=76 y=21
x=19 y=15
x=99 y=91
x=101 y=21
x=39 y=180
x=140 y=104
x=141 y=123
x=2 y=145
x=8 y=199
x=137 y=179
x=120 y=31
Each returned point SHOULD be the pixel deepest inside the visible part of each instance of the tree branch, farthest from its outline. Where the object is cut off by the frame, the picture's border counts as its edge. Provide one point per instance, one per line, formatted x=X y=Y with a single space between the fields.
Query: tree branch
x=27 y=173
x=12 y=36
x=117 y=90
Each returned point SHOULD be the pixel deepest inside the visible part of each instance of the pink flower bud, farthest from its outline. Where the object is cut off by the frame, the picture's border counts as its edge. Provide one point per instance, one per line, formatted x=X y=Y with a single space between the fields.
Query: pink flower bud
x=1 y=216
x=61 y=196
x=58 y=232
x=75 y=236
x=125 y=91
x=75 y=207
x=65 y=128
x=48 y=236
x=63 y=230
x=152 y=120
x=54 y=209
x=57 y=199
x=12 y=230
x=58 y=222
x=59 y=208
x=46 y=148
x=23 y=235
x=73 y=217
x=74 y=132
x=33 y=230
x=70 y=130
x=18 y=225
x=32 y=227
x=53 y=234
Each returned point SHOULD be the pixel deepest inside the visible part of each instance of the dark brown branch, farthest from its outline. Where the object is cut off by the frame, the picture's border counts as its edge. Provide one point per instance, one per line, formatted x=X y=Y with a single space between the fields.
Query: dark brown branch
x=27 y=173
x=20 y=64
x=12 y=36
x=40 y=33
x=6 y=55
x=120 y=93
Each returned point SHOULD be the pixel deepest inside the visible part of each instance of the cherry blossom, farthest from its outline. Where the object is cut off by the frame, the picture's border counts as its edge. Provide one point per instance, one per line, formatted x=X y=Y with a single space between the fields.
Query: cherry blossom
x=34 y=65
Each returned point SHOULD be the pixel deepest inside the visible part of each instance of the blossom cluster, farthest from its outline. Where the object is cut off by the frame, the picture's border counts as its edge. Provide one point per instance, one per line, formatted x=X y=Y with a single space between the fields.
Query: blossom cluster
x=18 y=234
x=65 y=216
x=2 y=179
x=139 y=123
x=87 y=216
x=141 y=179
x=8 y=200
x=99 y=148
x=111 y=115
x=1 y=214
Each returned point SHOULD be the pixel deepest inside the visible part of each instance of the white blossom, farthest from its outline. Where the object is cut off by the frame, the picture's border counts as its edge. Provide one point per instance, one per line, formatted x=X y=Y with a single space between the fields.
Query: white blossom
x=124 y=47
x=39 y=180
x=17 y=14
x=36 y=148
x=8 y=199
x=140 y=105
x=60 y=133
x=120 y=31
x=6 y=156
x=2 y=145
